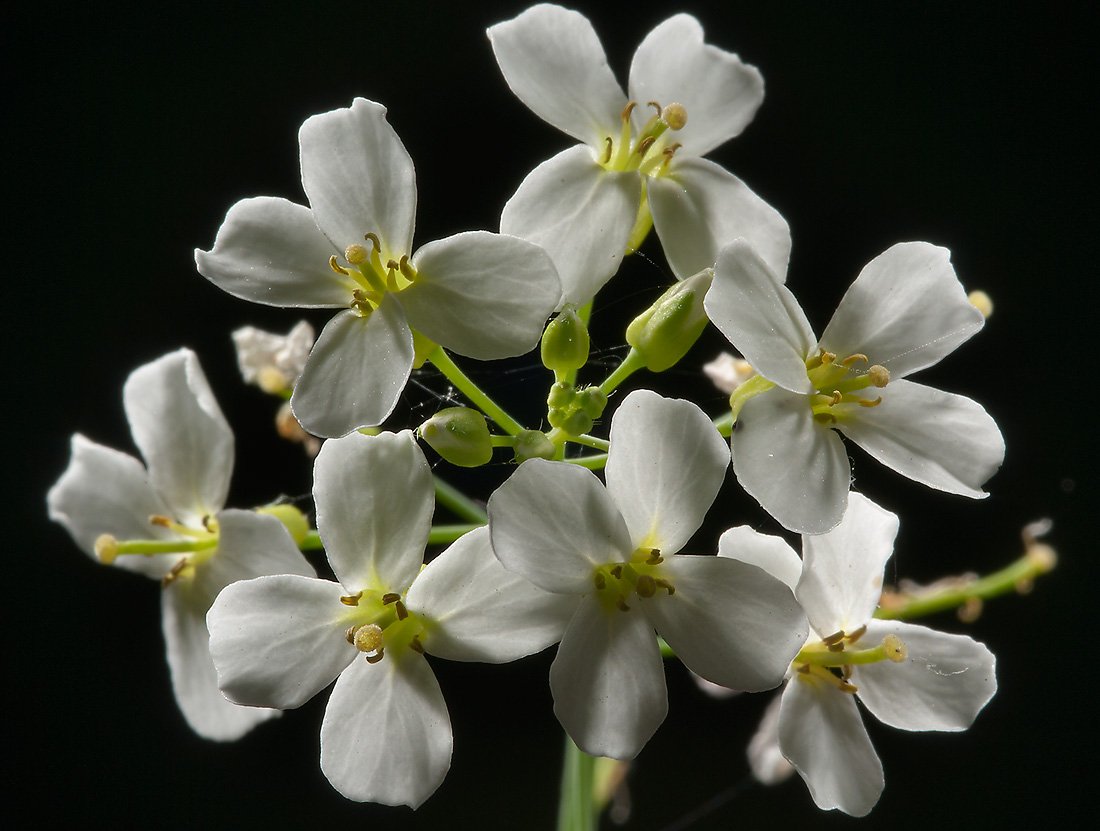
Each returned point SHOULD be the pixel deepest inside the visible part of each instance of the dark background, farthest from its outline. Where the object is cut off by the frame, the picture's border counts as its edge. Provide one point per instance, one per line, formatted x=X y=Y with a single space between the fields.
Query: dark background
x=136 y=128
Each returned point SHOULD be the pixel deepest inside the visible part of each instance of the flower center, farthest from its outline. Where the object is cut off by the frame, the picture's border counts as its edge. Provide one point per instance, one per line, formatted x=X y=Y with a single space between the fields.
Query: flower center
x=381 y=626
x=373 y=277
x=650 y=151
x=642 y=576
x=831 y=660
x=196 y=545
x=841 y=384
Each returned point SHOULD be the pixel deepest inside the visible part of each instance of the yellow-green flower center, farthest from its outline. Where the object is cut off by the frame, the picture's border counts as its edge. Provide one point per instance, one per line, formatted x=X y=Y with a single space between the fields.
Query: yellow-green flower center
x=844 y=382
x=617 y=583
x=379 y=625
x=373 y=278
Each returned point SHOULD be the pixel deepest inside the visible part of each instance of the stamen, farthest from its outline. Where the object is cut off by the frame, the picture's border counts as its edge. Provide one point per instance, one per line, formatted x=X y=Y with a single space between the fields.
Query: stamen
x=622 y=605
x=390 y=597
x=407 y=270
x=894 y=648
x=106 y=548
x=374 y=659
x=879 y=375
x=675 y=116
x=825 y=418
x=617 y=571
x=161 y=520
x=210 y=524
x=400 y=609
x=335 y=266
x=827 y=357
x=655 y=557
x=349 y=634
x=644 y=145
x=655 y=106
x=836 y=398
x=836 y=647
x=374 y=241
x=600 y=582
x=607 y=153
x=174 y=574
x=369 y=638
x=667 y=586
x=858 y=357
x=870 y=402
x=628 y=110
x=836 y=637
x=355 y=254
x=415 y=645
x=856 y=635
x=646 y=586
x=351 y=599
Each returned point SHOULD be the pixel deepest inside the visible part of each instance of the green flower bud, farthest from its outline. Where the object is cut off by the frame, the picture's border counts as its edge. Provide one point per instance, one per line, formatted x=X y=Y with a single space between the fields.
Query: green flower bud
x=576 y=423
x=565 y=342
x=665 y=331
x=460 y=435
x=294 y=520
x=561 y=395
x=556 y=416
x=592 y=401
x=531 y=444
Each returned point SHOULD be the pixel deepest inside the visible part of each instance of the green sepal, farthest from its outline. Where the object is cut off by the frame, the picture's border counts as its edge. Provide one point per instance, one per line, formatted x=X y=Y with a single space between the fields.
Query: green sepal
x=460 y=435
x=664 y=332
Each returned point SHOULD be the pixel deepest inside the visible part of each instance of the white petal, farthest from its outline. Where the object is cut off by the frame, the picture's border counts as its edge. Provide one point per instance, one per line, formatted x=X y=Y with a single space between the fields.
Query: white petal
x=554 y=523
x=181 y=432
x=760 y=316
x=821 y=733
x=359 y=178
x=278 y=641
x=766 y=760
x=386 y=736
x=552 y=60
x=480 y=611
x=763 y=551
x=356 y=371
x=483 y=295
x=906 y=310
x=184 y=604
x=103 y=491
x=797 y=469
x=937 y=438
x=375 y=500
x=270 y=251
x=580 y=213
x=252 y=545
x=698 y=207
x=720 y=93
x=730 y=622
x=666 y=465
x=943 y=683
x=608 y=681
x=842 y=569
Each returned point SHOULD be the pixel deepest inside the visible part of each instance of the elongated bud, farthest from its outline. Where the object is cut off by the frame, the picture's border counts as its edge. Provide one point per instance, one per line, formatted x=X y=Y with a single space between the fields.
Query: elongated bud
x=293 y=519
x=665 y=331
x=460 y=435
x=565 y=342
x=532 y=444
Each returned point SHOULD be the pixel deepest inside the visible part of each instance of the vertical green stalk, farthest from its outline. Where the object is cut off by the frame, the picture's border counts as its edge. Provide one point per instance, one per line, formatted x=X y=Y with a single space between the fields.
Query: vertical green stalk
x=442 y=361
x=576 y=808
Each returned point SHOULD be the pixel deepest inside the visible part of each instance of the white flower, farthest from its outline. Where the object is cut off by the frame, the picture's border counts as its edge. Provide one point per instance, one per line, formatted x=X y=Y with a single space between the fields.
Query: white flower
x=905 y=311
x=582 y=204
x=278 y=641
x=273 y=362
x=482 y=295
x=727 y=373
x=614 y=550
x=171 y=508
x=915 y=678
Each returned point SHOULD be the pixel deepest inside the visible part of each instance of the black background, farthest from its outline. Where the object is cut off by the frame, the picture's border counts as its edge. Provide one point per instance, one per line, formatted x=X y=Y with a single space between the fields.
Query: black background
x=134 y=129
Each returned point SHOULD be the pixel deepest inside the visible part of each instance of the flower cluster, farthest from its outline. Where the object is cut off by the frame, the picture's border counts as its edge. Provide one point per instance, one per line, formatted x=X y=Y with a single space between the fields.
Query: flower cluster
x=557 y=555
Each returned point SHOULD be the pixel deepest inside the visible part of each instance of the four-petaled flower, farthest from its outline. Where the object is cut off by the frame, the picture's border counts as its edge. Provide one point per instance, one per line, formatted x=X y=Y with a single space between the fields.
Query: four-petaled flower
x=165 y=520
x=483 y=295
x=635 y=166
x=905 y=311
x=278 y=641
x=908 y=676
x=613 y=551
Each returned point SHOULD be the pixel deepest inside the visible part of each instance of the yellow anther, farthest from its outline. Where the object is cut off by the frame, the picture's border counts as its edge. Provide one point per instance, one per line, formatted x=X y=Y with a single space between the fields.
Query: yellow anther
x=390 y=597
x=627 y=110
x=622 y=605
x=617 y=571
x=106 y=548
x=351 y=599
x=407 y=270
x=607 y=152
x=335 y=266
x=600 y=582
x=374 y=241
x=355 y=254
x=827 y=357
x=644 y=145
x=879 y=375
x=415 y=645
x=857 y=634
x=161 y=521
x=982 y=302
x=870 y=402
x=368 y=638
x=655 y=557
x=400 y=609
x=894 y=648
x=667 y=586
x=656 y=106
x=836 y=647
x=392 y=265
x=349 y=634
x=210 y=524
x=675 y=116
x=376 y=657
x=646 y=586
x=174 y=573
x=846 y=687
x=669 y=152
x=858 y=357
x=825 y=418
x=836 y=398
x=836 y=637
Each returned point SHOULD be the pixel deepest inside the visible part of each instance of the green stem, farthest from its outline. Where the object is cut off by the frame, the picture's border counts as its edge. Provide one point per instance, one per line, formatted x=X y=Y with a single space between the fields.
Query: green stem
x=442 y=361
x=631 y=364
x=724 y=424
x=596 y=462
x=458 y=503
x=502 y=441
x=443 y=534
x=559 y=437
x=576 y=810
x=312 y=542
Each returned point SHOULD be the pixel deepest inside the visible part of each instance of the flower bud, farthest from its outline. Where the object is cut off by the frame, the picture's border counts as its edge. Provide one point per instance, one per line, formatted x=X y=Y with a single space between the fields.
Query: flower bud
x=292 y=519
x=592 y=401
x=460 y=435
x=565 y=342
x=532 y=444
x=561 y=395
x=665 y=331
x=577 y=423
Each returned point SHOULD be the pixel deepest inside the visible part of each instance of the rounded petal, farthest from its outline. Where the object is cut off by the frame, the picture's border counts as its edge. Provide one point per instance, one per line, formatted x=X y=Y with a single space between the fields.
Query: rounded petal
x=699 y=206
x=277 y=641
x=375 y=500
x=937 y=438
x=906 y=310
x=483 y=295
x=270 y=251
x=356 y=371
x=766 y=759
x=730 y=622
x=359 y=178
x=552 y=60
x=103 y=491
x=667 y=463
x=822 y=735
x=842 y=569
x=608 y=681
x=721 y=94
x=181 y=432
x=943 y=683
x=761 y=317
x=580 y=213
x=554 y=523
x=795 y=468
x=763 y=551
x=480 y=611
x=386 y=736
x=184 y=604
x=250 y=545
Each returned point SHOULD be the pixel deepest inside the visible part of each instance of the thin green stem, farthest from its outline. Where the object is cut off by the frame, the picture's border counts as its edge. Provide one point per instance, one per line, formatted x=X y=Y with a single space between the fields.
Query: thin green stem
x=458 y=503
x=559 y=437
x=442 y=361
x=631 y=364
x=576 y=809
x=724 y=424
x=312 y=542
x=444 y=534
x=596 y=462
x=502 y=441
